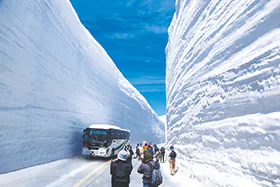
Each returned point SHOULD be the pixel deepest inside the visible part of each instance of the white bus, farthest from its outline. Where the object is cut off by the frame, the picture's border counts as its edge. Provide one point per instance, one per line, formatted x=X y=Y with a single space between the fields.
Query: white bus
x=102 y=140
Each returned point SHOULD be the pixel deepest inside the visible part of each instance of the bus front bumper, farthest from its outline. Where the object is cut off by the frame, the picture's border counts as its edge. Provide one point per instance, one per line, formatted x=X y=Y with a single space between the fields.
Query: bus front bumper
x=97 y=153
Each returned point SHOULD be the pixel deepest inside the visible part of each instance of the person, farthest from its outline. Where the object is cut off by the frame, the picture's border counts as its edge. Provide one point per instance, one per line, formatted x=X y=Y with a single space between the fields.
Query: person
x=172 y=160
x=141 y=150
x=121 y=170
x=130 y=153
x=162 y=154
x=156 y=152
x=146 y=169
x=113 y=153
x=137 y=151
x=156 y=148
x=149 y=149
x=145 y=147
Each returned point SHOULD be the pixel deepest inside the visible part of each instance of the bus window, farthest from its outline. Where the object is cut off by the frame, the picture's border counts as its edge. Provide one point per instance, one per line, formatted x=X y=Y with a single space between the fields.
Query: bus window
x=118 y=134
x=99 y=135
x=86 y=135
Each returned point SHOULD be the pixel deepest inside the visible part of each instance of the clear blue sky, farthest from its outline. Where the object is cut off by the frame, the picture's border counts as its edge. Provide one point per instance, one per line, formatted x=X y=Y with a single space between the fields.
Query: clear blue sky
x=134 y=34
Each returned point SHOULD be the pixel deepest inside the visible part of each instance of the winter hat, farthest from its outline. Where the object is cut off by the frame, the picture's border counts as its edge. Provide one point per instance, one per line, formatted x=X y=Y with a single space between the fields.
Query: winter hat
x=122 y=155
x=171 y=147
x=148 y=156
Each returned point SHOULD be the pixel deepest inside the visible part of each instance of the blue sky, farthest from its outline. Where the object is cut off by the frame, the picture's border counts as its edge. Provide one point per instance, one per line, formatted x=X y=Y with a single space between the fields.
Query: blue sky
x=134 y=34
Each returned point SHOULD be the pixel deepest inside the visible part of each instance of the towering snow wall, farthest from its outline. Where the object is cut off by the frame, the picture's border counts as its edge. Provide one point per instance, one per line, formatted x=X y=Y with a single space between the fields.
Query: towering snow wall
x=223 y=90
x=55 y=80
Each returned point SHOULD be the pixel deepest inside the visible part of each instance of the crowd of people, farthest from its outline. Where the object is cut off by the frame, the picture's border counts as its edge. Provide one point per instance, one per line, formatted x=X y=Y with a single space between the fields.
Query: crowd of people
x=150 y=156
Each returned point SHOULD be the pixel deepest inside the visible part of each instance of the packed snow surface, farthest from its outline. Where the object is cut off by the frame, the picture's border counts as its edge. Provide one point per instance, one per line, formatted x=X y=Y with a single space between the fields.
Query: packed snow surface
x=223 y=90
x=55 y=80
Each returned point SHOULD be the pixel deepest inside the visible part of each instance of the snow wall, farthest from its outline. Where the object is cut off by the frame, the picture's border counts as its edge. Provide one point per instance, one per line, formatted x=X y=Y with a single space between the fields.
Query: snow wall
x=55 y=80
x=223 y=90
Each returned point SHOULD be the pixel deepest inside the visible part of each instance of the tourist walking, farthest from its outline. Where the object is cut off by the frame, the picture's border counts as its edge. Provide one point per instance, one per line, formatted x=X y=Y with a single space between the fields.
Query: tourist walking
x=172 y=160
x=141 y=151
x=162 y=154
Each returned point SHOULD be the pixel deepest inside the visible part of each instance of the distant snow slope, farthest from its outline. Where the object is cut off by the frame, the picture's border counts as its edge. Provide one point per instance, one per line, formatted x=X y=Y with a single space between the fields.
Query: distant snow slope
x=163 y=119
x=223 y=90
x=55 y=80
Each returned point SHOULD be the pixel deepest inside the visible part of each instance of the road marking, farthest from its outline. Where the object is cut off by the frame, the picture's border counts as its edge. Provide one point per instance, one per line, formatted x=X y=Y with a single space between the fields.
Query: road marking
x=90 y=174
x=63 y=178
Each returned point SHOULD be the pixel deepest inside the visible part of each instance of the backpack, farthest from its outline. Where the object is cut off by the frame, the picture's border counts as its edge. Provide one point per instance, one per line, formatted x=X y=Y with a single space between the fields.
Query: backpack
x=162 y=151
x=149 y=150
x=173 y=154
x=156 y=177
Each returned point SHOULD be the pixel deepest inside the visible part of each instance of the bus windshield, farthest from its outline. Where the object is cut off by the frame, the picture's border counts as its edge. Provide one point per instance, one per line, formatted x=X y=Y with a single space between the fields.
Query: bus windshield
x=95 y=135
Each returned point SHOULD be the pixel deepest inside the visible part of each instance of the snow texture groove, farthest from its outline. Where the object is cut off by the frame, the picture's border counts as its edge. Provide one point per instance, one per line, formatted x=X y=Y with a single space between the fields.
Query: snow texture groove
x=55 y=80
x=223 y=90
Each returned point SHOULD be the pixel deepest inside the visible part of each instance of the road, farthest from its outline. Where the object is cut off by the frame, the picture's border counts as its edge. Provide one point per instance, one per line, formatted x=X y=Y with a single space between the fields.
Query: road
x=71 y=172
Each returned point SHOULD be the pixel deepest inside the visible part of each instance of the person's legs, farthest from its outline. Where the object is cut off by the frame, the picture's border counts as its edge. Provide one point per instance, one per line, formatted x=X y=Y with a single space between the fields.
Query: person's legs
x=171 y=166
x=145 y=185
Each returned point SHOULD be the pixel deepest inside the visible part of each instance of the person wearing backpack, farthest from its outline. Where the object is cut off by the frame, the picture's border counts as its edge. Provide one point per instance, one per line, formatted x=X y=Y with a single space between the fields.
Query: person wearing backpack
x=151 y=171
x=162 y=154
x=121 y=170
x=172 y=160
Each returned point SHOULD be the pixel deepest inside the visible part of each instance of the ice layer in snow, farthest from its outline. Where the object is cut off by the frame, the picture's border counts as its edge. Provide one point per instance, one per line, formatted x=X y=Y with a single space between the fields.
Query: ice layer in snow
x=223 y=90
x=55 y=80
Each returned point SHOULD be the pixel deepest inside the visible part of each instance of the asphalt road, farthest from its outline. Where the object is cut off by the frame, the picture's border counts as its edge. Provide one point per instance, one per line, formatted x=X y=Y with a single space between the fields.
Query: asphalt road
x=72 y=172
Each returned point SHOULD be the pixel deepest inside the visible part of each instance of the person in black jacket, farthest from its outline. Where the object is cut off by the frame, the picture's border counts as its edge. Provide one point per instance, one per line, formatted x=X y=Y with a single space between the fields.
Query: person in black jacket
x=121 y=170
x=130 y=153
x=172 y=160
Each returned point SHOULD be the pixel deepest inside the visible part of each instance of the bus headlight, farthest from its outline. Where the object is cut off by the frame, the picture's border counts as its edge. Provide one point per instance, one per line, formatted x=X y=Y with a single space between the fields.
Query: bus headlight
x=85 y=151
